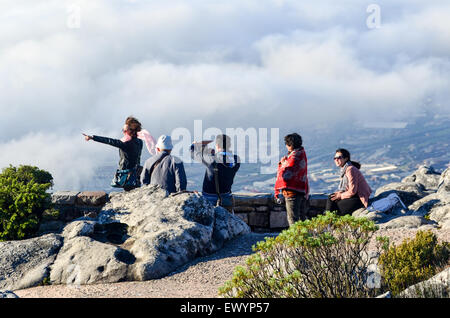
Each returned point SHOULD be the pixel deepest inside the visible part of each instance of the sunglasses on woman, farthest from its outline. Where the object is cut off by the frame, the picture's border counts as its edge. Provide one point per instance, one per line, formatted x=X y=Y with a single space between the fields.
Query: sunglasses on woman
x=338 y=158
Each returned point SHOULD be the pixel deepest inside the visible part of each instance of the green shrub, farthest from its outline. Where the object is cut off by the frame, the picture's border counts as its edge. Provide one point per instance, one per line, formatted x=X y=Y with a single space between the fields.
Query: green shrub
x=412 y=261
x=322 y=257
x=23 y=199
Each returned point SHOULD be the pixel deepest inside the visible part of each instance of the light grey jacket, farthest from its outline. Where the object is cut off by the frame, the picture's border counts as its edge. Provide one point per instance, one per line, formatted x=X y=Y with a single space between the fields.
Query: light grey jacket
x=169 y=173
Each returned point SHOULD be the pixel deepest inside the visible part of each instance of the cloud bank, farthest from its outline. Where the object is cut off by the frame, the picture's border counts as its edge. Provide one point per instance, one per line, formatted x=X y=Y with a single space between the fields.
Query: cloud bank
x=83 y=66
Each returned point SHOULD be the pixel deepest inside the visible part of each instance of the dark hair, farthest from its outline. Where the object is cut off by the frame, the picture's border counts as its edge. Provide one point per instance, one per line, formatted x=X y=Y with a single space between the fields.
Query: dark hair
x=293 y=140
x=134 y=126
x=223 y=141
x=346 y=154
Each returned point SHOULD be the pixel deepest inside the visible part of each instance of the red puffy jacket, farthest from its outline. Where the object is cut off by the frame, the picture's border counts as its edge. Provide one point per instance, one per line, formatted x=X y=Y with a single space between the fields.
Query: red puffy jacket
x=292 y=173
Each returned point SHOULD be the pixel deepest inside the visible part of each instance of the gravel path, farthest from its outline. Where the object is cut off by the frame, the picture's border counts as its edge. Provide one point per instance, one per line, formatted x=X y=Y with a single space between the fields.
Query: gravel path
x=198 y=279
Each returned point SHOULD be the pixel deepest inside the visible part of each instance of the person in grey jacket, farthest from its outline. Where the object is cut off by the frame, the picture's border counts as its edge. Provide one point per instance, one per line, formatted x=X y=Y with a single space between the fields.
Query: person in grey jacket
x=164 y=169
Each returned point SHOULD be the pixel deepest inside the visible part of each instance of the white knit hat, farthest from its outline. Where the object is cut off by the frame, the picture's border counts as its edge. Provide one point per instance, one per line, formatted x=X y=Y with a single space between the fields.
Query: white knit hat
x=164 y=142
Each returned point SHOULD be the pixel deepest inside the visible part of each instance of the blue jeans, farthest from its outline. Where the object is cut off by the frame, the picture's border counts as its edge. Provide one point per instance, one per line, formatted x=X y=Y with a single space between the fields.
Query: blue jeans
x=227 y=200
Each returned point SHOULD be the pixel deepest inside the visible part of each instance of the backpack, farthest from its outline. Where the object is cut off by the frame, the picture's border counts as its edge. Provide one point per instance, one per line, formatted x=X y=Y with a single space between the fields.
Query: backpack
x=387 y=203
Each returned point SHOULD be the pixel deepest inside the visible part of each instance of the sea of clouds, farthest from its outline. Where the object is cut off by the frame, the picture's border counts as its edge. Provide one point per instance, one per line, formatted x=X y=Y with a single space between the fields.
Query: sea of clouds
x=76 y=66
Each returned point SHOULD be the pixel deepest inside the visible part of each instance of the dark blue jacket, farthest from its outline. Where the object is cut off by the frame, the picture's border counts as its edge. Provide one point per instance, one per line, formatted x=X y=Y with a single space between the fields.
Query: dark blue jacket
x=227 y=164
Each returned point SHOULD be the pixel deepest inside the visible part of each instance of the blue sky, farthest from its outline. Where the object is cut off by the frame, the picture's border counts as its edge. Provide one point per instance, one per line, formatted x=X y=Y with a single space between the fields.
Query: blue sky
x=83 y=66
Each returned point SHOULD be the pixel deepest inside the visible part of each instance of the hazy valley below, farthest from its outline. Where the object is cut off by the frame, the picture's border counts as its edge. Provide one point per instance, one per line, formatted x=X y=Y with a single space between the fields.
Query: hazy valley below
x=387 y=154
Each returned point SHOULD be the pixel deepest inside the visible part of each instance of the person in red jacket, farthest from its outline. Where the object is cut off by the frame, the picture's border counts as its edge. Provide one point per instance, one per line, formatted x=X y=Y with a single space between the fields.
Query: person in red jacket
x=292 y=179
x=353 y=191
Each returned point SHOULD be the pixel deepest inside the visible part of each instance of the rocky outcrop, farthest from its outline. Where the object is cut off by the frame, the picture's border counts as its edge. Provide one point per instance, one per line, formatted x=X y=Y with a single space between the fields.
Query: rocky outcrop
x=427 y=196
x=426 y=176
x=444 y=182
x=436 y=207
x=409 y=192
x=83 y=260
x=166 y=233
x=146 y=234
x=137 y=235
x=436 y=287
x=408 y=222
x=27 y=263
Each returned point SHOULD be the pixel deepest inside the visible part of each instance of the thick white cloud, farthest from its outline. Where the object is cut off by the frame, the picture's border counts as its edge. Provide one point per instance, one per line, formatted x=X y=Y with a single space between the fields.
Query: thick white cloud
x=70 y=159
x=231 y=63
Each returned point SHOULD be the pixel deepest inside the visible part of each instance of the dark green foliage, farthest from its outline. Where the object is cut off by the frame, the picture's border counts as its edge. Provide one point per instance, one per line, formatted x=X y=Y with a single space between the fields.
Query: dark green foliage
x=26 y=174
x=23 y=199
x=413 y=261
x=322 y=257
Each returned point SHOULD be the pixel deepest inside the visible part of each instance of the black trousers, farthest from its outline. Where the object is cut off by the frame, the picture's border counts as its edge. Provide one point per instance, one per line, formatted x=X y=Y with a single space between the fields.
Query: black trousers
x=344 y=206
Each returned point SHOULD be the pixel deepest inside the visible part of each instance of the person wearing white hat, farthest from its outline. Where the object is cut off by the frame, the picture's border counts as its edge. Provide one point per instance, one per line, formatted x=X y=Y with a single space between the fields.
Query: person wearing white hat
x=163 y=169
x=164 y=143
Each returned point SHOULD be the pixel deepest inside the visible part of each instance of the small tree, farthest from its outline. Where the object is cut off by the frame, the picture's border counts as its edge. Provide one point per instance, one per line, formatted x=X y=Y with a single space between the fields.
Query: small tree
x=23 y=199
x=322 y=257
x=413 y=261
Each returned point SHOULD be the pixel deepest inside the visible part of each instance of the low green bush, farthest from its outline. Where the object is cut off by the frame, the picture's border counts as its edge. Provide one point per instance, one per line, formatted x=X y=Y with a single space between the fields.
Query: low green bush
x=413 y=261
x=322 y=257
x=23 y=199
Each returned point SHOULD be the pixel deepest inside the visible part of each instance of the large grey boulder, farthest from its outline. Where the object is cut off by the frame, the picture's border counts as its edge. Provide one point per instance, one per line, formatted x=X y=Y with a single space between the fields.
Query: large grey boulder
x=27 y=263
x=139 y=235
x=165 y=232
x=425 y=176
x=408 y=221
x=376 y=216
x=436 y=287
x=409 y=192
x=83 y=260
x=435 y=206
x=78 y=228
x=64 y=197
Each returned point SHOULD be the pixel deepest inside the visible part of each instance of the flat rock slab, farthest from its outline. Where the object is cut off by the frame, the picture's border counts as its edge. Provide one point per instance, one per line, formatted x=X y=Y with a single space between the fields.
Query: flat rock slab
x=26 y=263
x=246 y=199
x=78 y=228
x=64 y=197
x=96 y=198
x=409 y=221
